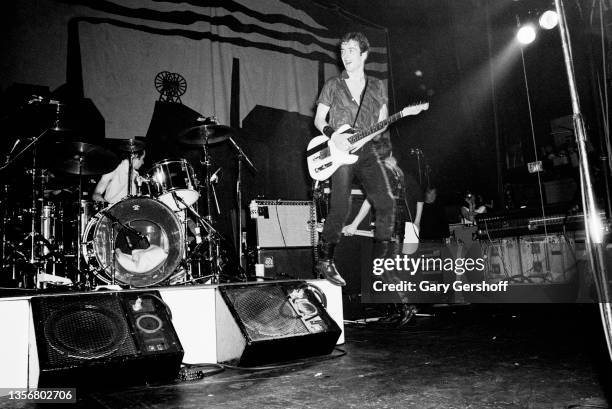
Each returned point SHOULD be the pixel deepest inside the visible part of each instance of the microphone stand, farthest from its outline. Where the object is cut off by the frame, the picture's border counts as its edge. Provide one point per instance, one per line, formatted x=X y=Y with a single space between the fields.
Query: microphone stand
x=213 y=247
x=418 y=152
x=126 y=227
x=241 y=156
x=11 y=160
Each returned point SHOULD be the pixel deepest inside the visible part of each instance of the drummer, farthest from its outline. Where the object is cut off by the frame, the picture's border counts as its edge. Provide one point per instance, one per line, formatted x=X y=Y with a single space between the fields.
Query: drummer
x=113 y=186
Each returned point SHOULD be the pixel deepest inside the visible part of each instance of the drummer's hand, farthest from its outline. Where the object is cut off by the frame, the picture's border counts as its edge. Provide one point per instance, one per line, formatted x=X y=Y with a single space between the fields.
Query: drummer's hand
x=97 y=198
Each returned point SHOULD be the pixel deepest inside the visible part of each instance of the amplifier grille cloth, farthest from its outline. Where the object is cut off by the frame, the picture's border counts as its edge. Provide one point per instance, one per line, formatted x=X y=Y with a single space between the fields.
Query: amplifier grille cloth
x=84 y=330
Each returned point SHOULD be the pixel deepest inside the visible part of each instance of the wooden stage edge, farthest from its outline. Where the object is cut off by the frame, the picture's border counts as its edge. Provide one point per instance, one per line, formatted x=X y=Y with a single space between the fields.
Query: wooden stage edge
x=193 y=315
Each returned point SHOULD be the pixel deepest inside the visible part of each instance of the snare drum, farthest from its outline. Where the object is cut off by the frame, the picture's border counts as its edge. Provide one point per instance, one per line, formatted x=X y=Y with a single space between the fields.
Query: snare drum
x=171 y=180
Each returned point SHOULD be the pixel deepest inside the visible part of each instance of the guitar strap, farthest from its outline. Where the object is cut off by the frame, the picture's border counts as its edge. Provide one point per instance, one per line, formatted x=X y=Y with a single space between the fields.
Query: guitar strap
x=360 y=102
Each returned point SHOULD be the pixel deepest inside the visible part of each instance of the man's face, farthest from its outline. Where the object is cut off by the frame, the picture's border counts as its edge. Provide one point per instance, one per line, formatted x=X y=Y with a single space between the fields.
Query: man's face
x=352 y=57
x=431 y=195
x=138 y=162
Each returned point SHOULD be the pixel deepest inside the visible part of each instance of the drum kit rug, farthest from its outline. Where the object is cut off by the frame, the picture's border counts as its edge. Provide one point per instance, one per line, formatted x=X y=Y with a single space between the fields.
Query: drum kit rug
x=154 y=236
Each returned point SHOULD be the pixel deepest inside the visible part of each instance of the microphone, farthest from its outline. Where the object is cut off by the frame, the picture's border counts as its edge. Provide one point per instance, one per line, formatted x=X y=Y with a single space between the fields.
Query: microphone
x=126 y=228
x=14 y=146
x=215 y=176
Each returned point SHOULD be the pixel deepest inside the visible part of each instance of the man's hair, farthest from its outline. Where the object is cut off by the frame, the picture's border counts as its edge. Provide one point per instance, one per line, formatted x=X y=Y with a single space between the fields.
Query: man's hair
x=364 y=44
x=137 y=154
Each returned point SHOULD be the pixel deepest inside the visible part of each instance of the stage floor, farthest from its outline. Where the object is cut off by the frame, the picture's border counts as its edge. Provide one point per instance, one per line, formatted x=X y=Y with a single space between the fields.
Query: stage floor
x=488 y=356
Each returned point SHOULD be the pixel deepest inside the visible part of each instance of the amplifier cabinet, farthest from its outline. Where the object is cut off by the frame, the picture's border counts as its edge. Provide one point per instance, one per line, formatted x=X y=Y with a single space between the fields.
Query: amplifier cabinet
x=283 y=223
x=287 y=263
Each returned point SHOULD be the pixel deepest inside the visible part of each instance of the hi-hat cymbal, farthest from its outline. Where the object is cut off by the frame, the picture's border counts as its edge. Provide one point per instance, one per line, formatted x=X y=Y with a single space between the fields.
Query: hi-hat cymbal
x=202 y=134
x=84 y=158
x=130 y=145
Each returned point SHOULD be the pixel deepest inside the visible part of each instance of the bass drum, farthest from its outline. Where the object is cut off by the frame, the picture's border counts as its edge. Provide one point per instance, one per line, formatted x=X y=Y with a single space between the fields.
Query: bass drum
x=104 y=242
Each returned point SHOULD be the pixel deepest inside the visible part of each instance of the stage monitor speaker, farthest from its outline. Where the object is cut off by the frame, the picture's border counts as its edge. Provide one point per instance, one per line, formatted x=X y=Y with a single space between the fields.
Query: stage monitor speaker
x=272 y=322
x=98 y=340
x=292 y=263
x=283 y=223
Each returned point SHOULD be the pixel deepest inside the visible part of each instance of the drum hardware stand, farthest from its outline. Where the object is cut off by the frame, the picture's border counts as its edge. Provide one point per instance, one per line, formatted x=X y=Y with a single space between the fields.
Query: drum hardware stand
x=114 y=258
x=212 y=260
x=213 y=242
x=130 y=171
x=241 y=157
x=207 y=164
x=186 y=260
x=11 y=160
x=79 y=218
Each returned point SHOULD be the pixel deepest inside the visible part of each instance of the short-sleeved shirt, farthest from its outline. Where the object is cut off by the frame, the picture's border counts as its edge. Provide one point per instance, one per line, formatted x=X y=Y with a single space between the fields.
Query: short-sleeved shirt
x=343 y=108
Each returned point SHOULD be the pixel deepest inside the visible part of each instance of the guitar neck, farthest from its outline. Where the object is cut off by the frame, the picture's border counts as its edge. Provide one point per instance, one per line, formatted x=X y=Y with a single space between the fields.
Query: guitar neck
x=376 y=127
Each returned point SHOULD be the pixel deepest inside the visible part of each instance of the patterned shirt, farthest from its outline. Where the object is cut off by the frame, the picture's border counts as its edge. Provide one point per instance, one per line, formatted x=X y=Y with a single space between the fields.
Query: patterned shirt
x=343 y=108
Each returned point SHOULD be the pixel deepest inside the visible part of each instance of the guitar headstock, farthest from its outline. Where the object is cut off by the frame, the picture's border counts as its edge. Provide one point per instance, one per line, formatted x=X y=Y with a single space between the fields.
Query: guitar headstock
x=415 y=109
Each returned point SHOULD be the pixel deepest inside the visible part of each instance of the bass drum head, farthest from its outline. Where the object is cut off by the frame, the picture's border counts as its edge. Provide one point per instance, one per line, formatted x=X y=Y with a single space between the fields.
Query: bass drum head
x=148 y=216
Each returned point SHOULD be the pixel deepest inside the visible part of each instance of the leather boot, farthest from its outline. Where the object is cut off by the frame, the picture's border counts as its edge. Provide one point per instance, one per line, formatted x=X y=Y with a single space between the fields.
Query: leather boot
x=326 y=267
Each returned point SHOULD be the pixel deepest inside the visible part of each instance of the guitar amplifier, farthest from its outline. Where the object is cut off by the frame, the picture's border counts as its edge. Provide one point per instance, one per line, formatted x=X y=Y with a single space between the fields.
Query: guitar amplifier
x=282 y=223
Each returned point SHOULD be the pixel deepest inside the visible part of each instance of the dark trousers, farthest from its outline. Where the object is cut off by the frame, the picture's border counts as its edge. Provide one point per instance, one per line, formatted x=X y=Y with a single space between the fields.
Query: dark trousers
x=370 y=171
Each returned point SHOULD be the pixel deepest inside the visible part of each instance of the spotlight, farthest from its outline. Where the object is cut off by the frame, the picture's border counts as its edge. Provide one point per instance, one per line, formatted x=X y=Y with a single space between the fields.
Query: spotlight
x=549 y=20
x=526 y=34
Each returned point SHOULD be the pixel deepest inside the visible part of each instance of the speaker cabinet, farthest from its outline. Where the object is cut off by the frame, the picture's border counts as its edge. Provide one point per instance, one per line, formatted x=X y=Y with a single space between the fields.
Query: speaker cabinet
x=282 y=223
x=97 y=340
x=292 y=263
x=272 y=322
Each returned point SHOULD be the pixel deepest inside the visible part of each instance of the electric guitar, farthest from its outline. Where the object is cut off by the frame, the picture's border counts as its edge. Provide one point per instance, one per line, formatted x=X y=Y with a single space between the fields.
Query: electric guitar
x=324 y=157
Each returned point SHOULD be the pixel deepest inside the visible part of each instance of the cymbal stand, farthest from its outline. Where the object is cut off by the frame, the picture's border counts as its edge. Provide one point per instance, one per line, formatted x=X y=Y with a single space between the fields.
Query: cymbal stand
x=241 y=156
x=132 y=151
x=34 y=235
x=207 y=165
x=213 y=239
x=114 y=256
x=33 y=209
x=79 y=218
x=3 y=210
x=58 y=116
x=130 y=172
x=10 y=160
x=209 y=217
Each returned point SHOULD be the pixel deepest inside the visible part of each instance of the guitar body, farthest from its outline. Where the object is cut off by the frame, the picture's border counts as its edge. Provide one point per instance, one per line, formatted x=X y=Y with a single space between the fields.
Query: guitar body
x=411 y=238
x=323 y=158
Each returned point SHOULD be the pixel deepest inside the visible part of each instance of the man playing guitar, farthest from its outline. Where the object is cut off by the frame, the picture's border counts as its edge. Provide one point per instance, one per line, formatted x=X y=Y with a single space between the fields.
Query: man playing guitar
x=359 y=101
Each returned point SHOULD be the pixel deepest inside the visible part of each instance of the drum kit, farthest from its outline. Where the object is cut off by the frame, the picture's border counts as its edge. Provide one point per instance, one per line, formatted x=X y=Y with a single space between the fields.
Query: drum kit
x=153 y=236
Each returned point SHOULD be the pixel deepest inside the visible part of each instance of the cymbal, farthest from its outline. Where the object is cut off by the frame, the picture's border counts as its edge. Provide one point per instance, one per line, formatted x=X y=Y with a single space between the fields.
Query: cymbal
x=202 y=134
x=130 y=145
x=93 y=159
